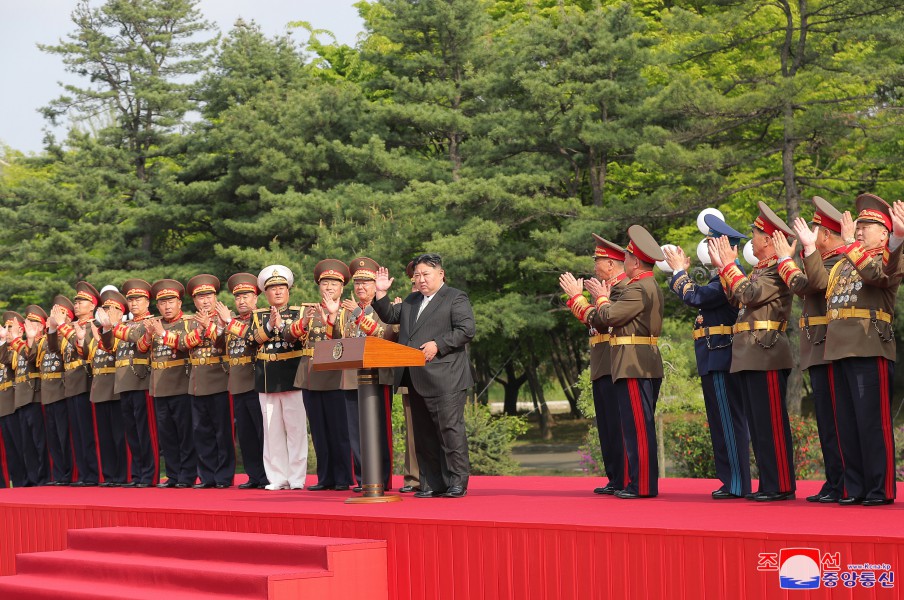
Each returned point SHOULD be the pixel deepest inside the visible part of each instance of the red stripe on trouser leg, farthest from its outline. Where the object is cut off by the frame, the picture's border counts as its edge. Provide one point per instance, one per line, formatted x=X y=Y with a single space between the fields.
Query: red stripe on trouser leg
x=46 y=446
x=75 y=475
x=100 y=465
x=887 y=435
x=152 y=431
x=3 y=464
x=640 y=427
x=844 y=493
x=778 y=431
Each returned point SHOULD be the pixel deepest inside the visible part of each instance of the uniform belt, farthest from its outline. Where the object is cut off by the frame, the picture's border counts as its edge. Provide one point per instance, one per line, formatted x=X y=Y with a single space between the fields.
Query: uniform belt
x=600 y=338
x=134 y=361
x=858 y=313
x=275 y=356
x=812 y=321
x=5 y=385
x=168 y=364
x=22 y=378
x=51 y=375
x=74 y=364
x=632 y=340
x=104 y=370
x=242 y=360
x=714 y=330
x=206 y=360
x=761 y=326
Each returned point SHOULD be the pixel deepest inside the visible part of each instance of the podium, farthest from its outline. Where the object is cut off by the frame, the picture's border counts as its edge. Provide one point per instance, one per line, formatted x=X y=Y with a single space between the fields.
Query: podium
x=367 y=354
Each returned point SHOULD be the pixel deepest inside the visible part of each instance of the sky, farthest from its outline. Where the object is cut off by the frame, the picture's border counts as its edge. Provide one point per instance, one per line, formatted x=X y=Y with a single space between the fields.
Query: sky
x=29 y=78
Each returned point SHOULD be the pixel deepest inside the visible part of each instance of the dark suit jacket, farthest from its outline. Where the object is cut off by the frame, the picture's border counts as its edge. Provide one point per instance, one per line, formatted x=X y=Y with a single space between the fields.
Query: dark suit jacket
x=449 y=321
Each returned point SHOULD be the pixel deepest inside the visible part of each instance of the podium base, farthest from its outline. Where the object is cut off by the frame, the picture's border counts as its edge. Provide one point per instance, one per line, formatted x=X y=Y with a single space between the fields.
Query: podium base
x=373 y=499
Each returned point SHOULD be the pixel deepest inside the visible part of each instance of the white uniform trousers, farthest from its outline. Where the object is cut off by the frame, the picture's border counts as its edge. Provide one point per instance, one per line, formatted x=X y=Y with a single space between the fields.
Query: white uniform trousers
x=285 y=439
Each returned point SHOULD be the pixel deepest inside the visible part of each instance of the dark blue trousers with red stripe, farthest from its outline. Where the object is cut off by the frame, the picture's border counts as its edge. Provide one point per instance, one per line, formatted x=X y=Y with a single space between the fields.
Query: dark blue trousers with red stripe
x=609 y=428
x=84 y=440
x=12 y=442
x=822 y=380
x=728 y=430
x=863 y=389
x=59 y=443
x=636 y=406
x=770 y=430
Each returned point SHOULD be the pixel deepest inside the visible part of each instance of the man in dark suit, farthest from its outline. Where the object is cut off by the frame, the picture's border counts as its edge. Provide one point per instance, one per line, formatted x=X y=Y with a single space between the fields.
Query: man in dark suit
x=438 y=320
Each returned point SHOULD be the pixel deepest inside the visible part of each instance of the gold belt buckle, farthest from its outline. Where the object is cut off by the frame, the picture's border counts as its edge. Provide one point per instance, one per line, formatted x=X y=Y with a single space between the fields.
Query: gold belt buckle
x=272 y=356
x=202 y=361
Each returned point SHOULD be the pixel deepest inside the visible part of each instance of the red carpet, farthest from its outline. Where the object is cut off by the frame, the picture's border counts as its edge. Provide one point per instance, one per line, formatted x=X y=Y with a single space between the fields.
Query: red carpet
x=512 y=537
x=129 y=562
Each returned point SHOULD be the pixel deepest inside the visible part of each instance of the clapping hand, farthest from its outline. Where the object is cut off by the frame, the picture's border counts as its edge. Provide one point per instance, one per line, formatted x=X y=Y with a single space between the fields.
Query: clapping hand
x=597 y=288
x=570 y=285
x=780 y=243
x=275 y=319
x=806 y=236
x=676 y=258
x=349 y=305
x=223 y=314
x=897 y=219
x=848 y=229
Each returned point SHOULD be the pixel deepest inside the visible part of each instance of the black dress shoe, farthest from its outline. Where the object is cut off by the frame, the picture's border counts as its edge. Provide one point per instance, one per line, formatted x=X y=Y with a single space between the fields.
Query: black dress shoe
x=182 y=486
x=828 y=499
x=456 y=491
x=319 y=487
x=249 y=485
x=774 y=496
x=877 y=501
x=428 y=494
x=142 y=485
x=78 y=484
x=358 y=489
x=132 y=483
x=341 y=488
x=751 y=496
x=627 y=495
x=814 y=498
x=609 y=490
x=407 y=489
x=169 y=483
x=850 y=501
x=223 y=486
x=203 y=486
x=110 y=484
x=723 y=495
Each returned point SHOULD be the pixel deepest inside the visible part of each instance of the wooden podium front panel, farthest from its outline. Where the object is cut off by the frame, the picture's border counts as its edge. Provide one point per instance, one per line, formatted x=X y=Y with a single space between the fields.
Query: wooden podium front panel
x=364 y=353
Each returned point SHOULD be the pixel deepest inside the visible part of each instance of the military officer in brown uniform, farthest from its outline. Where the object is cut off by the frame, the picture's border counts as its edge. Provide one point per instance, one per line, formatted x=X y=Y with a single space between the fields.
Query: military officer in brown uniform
x=66 y=338
x=861 y=290
x=210 y=408
x=9 y=419
x=240 y=352
x=28 y=395
x=53 y=393
x=111 y=437
x=133 y=369
x=635 y=320
x=282 y=406
x=170 y=371
x=324 y=398
x=822 y=249
x=761 y=353
x=358 y=319
x=609 y=266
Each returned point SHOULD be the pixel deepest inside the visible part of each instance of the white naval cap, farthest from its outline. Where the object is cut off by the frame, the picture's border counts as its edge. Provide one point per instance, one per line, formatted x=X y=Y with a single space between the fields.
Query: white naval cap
x=275 y=275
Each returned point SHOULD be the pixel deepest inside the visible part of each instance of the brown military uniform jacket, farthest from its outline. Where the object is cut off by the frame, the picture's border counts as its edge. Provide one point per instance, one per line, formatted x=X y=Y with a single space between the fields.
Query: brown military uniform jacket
x=28 y=373
x=7 y=382
x=600 y=354
x=103 y=368
x=813 y=322
x=860 y=290
x=309 y=330
x=207 y=355
x=369 y=324
x=50 y=363
x=76 y=367
x=240 y=352
x=636 y=321
x=277 y=356
x=133 y=365
x=170 y=365
x=765 y=301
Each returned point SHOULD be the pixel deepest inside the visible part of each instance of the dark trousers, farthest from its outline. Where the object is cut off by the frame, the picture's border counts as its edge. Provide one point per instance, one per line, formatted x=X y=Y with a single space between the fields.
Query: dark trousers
x=249 y=429
x=770 y=431
x=84 y=442
x=56 y=422
x=12 y=443
x=211 y=418
x=863 y=388
x=34 y=443
x=174 y=425
x=329 y=433
x=385 y=427
x=636 y=407
x=822 y=379
x=111 y=441
x=608 y=427
x=728 y=430
x=140 y=431
x=440 y=439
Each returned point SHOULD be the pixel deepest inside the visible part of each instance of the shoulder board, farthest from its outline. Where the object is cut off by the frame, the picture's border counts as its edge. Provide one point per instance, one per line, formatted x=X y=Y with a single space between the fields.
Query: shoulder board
x=295 y=307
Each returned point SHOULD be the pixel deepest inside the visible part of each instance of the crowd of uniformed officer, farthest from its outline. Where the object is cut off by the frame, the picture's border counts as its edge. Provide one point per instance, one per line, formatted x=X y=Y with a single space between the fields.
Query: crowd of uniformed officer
x=847 y=272
x=94 y=392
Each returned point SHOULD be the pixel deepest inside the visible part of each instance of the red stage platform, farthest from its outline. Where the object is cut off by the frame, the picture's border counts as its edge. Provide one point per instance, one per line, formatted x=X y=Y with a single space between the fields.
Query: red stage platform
x=516 y=537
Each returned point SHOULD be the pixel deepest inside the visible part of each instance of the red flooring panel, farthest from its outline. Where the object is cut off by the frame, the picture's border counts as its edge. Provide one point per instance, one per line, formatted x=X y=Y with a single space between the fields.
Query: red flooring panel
x=511 y=537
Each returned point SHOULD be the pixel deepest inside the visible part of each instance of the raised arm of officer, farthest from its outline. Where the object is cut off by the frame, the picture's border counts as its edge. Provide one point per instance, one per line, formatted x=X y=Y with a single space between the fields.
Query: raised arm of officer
x=387 y=311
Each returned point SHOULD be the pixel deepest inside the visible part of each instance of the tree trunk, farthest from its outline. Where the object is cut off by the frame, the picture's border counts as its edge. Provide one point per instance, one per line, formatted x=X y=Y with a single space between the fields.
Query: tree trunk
x=536 y=390
x=512 y=385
